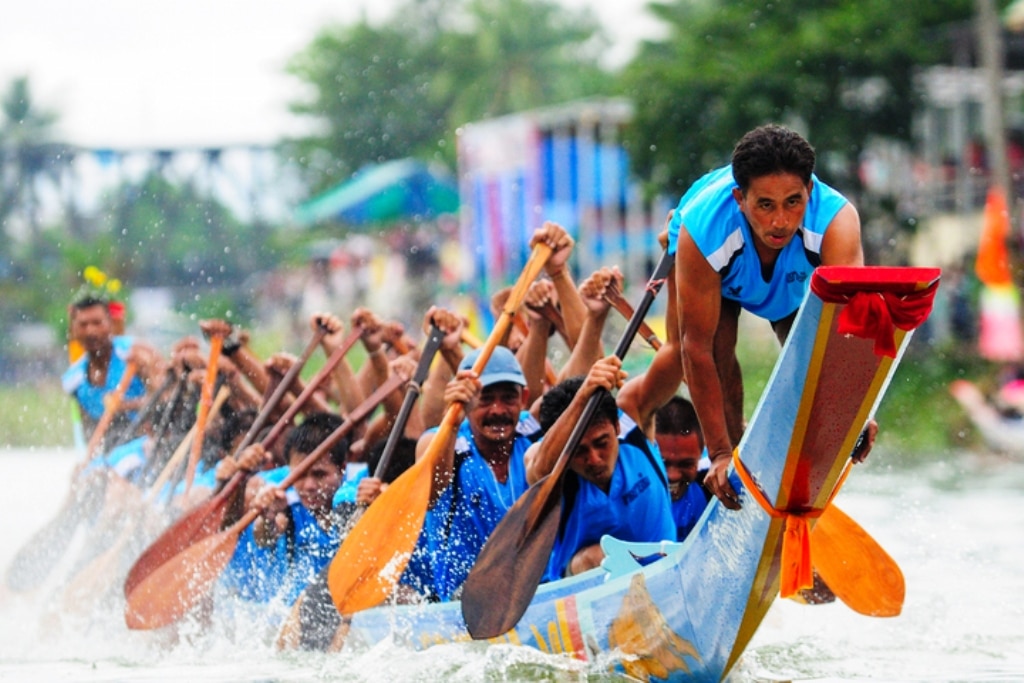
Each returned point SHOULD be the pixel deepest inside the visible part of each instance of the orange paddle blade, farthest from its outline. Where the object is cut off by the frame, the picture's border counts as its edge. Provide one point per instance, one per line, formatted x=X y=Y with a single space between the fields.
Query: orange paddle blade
x=375 y=553
x=855 y=567
x=170 y=592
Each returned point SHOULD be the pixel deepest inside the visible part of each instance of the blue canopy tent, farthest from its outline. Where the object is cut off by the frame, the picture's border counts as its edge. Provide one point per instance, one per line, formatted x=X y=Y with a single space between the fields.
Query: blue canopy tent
x=403 y=189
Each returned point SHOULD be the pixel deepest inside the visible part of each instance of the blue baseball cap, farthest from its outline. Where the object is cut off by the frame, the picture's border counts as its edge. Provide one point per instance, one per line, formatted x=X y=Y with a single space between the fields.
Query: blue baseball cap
x=502 y=366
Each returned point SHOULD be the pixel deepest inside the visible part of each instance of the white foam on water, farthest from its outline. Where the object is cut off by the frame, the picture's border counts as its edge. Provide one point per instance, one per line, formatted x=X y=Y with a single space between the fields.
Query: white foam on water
x=955 y=527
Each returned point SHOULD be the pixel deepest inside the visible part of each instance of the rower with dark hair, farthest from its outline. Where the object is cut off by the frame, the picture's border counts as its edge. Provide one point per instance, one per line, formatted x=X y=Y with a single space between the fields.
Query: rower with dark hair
x=615 y=484
x=303 y=518
x=677 y=432
x=100 y=368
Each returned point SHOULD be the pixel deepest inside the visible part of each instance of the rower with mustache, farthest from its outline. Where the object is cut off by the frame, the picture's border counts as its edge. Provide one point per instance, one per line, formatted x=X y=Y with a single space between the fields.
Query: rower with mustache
x=482 y=474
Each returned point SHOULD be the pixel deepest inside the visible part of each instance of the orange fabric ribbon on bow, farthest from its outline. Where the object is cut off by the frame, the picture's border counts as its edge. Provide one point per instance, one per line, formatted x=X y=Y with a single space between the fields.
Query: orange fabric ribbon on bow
x=796 y=566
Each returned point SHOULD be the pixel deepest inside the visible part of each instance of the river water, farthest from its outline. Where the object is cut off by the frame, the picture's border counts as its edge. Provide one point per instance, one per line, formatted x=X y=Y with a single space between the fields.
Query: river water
x=955 y=525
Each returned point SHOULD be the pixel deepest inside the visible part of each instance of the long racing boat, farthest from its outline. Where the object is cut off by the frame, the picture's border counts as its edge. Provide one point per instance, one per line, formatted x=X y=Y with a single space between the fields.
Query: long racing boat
x=676 y=611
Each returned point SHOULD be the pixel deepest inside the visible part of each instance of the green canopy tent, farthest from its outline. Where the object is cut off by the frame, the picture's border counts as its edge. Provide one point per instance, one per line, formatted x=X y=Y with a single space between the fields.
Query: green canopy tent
x=403 y=189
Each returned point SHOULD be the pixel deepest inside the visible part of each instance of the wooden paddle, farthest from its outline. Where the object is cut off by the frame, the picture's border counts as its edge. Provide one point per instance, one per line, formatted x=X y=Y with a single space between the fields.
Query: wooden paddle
x=855 y=567
x=614 y=297
x=93 y=581
x=205 y=401
x=207 y=517
x=175 y=587
x=506 y=574
x=111 y=405
x=377 y=549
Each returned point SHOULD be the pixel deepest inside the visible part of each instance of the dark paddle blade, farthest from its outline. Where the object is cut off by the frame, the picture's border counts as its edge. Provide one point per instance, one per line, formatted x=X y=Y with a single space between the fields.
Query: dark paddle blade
x=517 y=563
x=855 y=567
x=530 y=540
x=173 y=589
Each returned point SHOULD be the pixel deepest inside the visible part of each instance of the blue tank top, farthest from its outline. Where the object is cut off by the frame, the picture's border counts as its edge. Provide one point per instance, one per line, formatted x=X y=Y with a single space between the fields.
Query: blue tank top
x=688 y=509
x=720 y=230
x=313 y=549
x=467 y=512
x=256 y=573
x=636 y=508
x=75 y=380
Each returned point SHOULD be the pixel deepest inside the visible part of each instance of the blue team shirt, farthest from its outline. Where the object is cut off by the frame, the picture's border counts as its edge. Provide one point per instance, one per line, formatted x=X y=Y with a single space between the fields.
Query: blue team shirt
x=714 y=221
x=467 y=512
x=75 y=380
x=636 y=508
x=687 y=510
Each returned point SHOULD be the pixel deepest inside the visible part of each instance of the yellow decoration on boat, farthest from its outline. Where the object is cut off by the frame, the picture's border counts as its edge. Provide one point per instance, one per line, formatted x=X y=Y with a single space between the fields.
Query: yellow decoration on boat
x=642 y=631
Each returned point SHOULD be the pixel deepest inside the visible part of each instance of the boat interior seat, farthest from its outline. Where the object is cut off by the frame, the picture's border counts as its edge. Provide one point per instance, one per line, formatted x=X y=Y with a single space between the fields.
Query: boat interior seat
x=624 y=557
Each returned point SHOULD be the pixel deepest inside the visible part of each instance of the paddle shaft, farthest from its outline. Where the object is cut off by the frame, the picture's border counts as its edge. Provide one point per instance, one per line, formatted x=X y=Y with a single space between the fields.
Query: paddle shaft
x=205 y=401
x=163 y=424
x=614 y=297
x=275 y=398
x=132 y=428
x=240 y=477
x=412 y=392
x=632 y=327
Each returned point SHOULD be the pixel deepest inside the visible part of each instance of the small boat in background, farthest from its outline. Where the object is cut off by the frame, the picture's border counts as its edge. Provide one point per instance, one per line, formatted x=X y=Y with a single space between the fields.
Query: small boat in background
x=1001 y=432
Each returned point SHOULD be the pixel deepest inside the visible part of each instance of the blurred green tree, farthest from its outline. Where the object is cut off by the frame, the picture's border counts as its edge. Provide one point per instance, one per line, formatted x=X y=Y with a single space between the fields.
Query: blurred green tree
x=403 y=88
x=27 y=151
x=842 y=70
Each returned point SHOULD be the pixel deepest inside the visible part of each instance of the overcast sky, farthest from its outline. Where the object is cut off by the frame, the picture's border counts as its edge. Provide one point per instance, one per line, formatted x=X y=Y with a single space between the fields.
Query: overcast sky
x=124 y=73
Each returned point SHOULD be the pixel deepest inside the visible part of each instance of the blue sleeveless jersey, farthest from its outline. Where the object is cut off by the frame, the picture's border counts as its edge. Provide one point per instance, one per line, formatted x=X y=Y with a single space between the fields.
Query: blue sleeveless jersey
x=75 y=380
x=714 y=221
x=687 y=510
x=467 y=512
x=637 y=507
x=313 y=549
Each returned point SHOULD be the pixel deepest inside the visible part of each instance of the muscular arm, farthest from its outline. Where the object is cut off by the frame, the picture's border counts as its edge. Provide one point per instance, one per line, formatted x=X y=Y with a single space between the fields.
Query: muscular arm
x=699 y=299
x=841 y=245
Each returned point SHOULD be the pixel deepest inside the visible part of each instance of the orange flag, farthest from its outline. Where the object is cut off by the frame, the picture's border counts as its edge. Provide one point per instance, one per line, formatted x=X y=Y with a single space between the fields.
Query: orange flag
x=993 y=262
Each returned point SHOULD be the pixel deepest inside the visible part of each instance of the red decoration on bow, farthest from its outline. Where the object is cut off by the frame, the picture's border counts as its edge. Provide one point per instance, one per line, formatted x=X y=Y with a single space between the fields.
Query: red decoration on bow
x=874 y=312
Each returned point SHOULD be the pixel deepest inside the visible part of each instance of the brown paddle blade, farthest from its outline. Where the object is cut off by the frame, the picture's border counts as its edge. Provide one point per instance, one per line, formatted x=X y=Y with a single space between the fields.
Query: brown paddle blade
x=172 y=589
x=511 y=558
x=202 y=521
x=373 y=556
x=164 y=596
x=516 y=582
x=855 y=567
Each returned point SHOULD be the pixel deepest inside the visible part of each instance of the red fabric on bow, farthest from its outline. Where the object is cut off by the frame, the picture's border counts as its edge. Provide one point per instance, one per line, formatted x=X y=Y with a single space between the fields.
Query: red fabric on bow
x=873 y=312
